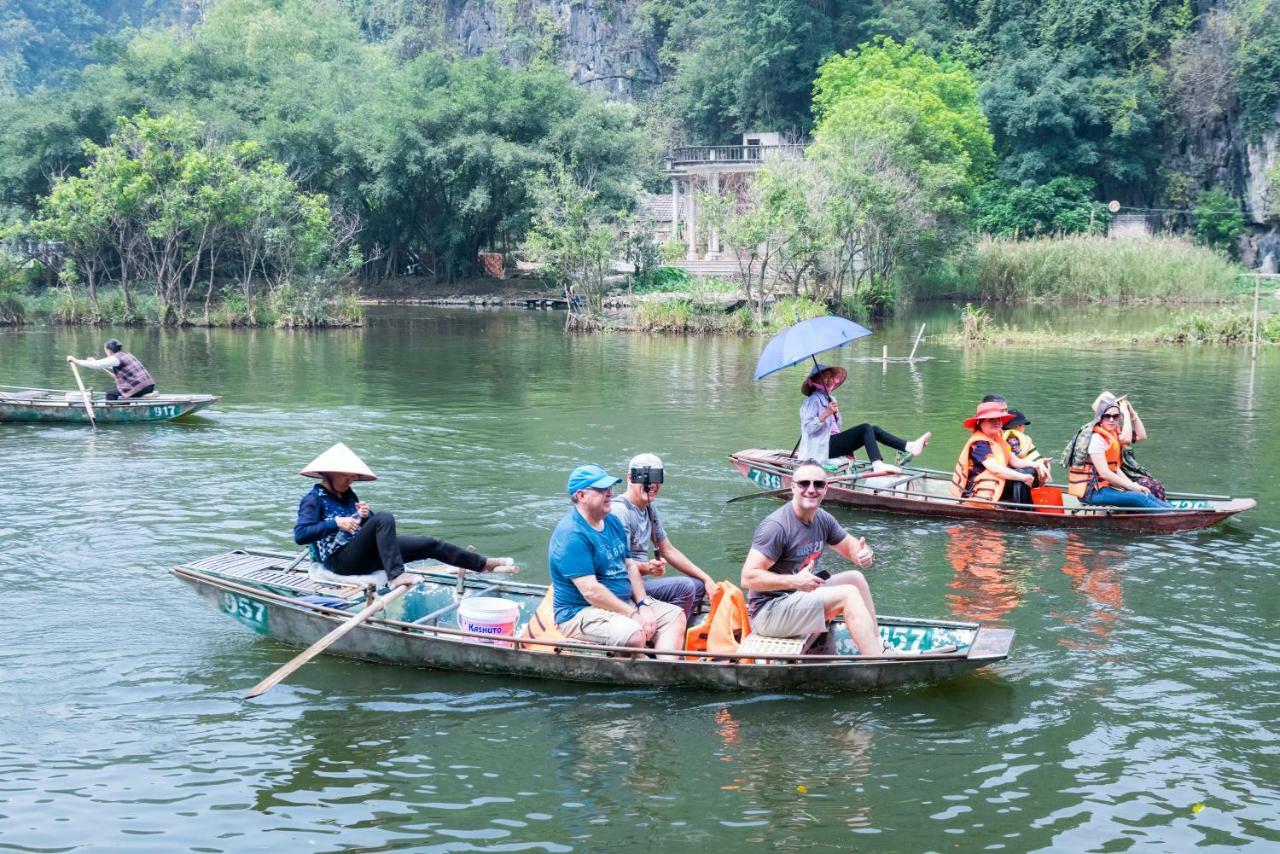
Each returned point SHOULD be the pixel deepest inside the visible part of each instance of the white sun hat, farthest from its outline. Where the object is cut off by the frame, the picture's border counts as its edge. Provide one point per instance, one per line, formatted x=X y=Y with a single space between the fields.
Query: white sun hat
x=338 y=460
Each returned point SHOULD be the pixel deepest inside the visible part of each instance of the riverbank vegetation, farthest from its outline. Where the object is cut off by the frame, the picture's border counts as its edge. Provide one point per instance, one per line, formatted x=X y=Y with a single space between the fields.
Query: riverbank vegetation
x=1222 y=326
x=952 y=149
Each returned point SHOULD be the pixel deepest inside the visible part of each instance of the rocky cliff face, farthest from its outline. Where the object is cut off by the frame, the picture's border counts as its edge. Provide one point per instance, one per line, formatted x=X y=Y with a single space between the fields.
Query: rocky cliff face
x=594 y=40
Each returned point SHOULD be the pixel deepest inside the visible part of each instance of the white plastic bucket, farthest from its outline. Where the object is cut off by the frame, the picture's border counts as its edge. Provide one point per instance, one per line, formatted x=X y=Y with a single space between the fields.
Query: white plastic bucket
x=485 y=615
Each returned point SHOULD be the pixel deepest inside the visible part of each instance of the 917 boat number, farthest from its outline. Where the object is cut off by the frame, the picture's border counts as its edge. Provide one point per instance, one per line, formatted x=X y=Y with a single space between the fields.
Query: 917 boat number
x=764 y=479
x=169 y=411
x=252 y=614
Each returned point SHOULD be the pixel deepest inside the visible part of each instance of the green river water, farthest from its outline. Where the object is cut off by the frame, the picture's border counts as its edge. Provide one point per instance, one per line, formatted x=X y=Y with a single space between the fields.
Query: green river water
x=1137 y=712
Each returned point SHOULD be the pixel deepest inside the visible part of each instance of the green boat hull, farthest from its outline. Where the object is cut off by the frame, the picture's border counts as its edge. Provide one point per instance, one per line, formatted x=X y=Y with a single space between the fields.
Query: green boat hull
x=68 y=408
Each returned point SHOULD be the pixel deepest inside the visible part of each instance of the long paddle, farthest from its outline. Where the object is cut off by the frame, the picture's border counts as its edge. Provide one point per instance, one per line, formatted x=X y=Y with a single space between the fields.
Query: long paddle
x=88 y=407
x=324 y=643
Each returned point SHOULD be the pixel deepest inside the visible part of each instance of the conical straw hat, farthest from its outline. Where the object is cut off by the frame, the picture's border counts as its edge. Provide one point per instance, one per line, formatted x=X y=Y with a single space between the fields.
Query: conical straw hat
x=341 y=460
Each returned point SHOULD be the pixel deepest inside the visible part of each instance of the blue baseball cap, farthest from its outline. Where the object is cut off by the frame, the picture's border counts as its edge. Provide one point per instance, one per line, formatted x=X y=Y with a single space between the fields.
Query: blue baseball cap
x=590 y=477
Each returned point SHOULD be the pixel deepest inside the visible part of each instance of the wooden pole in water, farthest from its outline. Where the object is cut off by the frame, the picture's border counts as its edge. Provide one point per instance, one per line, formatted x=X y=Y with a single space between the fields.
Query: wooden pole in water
x=919 y=334
x=1257 y=286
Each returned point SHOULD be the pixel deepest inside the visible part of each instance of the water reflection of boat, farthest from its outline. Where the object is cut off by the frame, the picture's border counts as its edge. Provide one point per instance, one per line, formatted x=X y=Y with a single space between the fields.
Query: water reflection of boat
x=68 y=407
x=421 y=629
x=985 y=586
x=1092 y=573
x=925 y=492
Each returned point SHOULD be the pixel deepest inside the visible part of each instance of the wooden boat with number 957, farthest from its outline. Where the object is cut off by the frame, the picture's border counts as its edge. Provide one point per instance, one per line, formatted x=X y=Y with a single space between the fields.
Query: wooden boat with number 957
x=274 y=597
x=47 y=405
x=926 y=492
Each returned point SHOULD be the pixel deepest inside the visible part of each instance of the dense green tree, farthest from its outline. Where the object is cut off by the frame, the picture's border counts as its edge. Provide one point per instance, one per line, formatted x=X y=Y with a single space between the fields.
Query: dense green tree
x=162 y=204
x=1217 y=221
x=1060 y=206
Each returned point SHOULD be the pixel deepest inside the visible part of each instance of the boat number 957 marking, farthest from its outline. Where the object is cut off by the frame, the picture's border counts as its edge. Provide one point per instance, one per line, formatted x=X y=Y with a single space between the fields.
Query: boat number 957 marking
x=764 y=479
x=252 y=614
x=169 y=411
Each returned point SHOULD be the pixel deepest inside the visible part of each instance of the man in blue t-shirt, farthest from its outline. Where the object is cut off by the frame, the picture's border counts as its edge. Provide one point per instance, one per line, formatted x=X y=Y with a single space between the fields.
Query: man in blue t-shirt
x=597 y=591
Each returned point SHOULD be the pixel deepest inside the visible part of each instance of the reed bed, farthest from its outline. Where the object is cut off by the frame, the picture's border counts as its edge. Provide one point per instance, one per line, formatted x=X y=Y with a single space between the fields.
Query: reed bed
x=1222 y=327
x=1091 y=268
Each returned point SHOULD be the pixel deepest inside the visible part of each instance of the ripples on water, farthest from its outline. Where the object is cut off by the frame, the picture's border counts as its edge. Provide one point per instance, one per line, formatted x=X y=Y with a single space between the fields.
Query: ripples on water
x=1143 y=682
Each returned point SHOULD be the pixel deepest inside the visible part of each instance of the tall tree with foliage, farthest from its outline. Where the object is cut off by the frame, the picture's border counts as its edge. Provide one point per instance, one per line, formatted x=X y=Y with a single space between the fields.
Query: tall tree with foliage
x=163 y=204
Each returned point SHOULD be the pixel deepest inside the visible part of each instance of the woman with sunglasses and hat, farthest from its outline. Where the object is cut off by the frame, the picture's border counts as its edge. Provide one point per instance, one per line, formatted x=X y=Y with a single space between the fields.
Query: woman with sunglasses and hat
x=1132 y=431
x=347 y=539
x=1099 y=478
x=988 y=469
x=820 y=435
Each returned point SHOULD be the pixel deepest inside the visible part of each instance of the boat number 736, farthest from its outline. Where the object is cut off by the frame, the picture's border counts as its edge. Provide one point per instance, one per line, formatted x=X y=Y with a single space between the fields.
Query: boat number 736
x=252 y=614
x=764 y=479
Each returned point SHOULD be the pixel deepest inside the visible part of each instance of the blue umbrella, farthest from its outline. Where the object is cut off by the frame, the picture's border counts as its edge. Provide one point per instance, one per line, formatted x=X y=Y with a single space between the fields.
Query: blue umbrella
x=804 y=340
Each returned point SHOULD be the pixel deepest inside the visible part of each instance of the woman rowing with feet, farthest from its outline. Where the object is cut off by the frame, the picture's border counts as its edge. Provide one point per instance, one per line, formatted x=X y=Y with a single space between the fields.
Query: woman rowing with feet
x=350 y=540
x=821 y=437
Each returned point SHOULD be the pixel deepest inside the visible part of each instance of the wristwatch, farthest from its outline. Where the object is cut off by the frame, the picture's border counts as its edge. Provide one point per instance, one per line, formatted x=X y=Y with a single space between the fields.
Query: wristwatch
x=645 y=601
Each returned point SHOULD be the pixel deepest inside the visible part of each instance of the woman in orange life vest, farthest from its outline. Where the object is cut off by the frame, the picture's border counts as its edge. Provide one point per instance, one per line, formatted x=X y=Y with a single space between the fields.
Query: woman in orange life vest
x=1020 y=443
x=987 y=470
x=1099 y=478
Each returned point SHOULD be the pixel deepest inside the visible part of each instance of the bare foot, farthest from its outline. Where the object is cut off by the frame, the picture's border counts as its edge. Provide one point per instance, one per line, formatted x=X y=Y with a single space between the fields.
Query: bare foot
x=881 y=467
x=490 y=564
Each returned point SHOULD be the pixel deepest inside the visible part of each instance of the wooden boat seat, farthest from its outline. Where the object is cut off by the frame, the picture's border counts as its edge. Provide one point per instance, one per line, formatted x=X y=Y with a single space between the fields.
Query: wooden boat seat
x=33 y=394
x=905 y=480
x=316 y=572
x=269 y=571
x=761 y=646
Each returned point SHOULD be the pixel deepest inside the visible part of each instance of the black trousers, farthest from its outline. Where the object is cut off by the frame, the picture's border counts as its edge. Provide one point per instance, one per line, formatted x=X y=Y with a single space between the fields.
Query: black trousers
x=115 y=395
x=1017 y=491
x=866 y=436
x=377 y=546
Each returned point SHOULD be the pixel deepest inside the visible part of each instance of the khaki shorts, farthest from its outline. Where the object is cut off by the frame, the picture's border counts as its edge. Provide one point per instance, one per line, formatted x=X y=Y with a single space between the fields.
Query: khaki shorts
x=791 y=616
x=596 y=625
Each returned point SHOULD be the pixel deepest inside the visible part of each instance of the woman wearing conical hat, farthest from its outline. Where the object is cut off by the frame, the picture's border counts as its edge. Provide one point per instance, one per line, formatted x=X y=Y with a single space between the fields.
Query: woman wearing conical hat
x=349 y=540
x=821 y=437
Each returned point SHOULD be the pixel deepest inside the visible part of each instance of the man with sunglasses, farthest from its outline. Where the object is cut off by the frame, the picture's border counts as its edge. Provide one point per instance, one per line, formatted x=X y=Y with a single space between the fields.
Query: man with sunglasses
x=1100 y=479
x=597 y=592
x=785 y=598
x=636 y=511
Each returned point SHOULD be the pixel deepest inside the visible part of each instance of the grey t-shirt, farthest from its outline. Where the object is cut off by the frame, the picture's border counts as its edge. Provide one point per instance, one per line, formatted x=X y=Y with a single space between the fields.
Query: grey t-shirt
x=643 y=527
x=791 y=544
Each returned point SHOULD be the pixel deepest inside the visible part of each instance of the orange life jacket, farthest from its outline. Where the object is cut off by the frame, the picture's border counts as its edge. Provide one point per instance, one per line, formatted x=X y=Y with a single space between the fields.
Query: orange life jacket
x=726 y=624
x=987 y=485
x=1022 y=446
x=542 y=625
x=1082 y=478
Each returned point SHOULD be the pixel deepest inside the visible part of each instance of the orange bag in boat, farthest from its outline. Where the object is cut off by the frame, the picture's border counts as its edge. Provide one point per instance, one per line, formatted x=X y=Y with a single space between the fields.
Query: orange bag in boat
x=726 y=624
x=1047 y=499
x=542 y=625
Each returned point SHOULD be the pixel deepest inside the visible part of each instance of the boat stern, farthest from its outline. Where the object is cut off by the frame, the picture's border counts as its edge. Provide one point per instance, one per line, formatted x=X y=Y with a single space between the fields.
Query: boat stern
x=991 y=644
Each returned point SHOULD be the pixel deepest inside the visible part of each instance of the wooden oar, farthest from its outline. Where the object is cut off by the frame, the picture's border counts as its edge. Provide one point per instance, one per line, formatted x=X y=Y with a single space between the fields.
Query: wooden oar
x=88 y=407
x=324 y=643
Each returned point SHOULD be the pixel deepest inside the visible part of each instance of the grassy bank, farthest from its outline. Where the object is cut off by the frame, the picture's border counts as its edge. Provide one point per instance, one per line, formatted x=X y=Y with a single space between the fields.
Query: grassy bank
x=688 y=317
x=1223 y=327
x=286 y=307
x=1083 y=268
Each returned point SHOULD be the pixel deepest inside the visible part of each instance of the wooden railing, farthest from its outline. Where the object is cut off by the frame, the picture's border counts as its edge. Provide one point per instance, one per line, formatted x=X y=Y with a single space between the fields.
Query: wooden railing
x=733 y=153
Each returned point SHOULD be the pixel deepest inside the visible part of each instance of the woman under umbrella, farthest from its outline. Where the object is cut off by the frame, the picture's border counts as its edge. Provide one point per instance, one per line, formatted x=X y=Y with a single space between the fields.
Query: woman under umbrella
x=820 y=435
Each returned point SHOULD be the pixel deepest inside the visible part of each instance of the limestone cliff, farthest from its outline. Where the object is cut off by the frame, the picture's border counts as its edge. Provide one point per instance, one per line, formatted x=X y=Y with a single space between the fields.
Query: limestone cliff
x=594 y=40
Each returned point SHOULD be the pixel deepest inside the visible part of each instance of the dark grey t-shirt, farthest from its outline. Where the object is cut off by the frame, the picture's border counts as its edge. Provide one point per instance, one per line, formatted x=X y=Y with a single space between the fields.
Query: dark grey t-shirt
x=643 y=527
x=791 y=544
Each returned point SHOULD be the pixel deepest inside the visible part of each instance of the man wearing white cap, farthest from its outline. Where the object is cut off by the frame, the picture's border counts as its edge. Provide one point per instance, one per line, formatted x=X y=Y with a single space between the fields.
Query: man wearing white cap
x=636 y=511
x=596 y=588
x=349 y=540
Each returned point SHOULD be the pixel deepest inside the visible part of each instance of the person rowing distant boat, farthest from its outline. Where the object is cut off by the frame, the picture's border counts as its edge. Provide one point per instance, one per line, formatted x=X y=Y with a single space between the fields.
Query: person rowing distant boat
x=348 y=539
x=132 y=379
x=820 y=435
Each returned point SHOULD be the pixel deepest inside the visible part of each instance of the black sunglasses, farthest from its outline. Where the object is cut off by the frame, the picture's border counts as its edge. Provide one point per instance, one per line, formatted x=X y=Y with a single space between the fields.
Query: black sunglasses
x=1106 y=415
x=816 y=484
